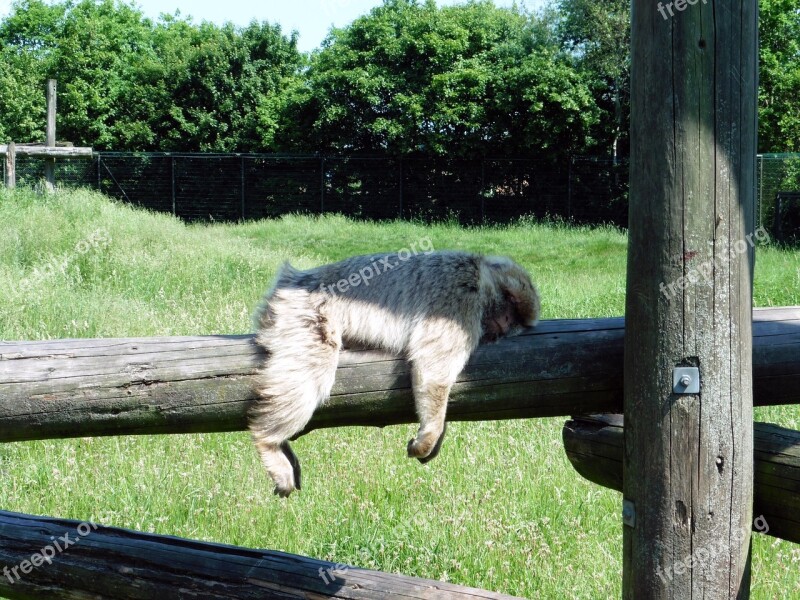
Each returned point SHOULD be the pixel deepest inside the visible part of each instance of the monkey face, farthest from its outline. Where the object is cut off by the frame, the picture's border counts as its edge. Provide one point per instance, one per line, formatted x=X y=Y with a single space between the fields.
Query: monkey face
x=516 y=304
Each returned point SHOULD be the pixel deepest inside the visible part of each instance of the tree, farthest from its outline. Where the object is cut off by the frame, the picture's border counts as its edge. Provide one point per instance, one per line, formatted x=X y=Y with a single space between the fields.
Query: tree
x=22 y=98
x=28 y=37
x=464 y=80
x=779 y=86
x=222 y=83
x=598 y=36
x=127 y=83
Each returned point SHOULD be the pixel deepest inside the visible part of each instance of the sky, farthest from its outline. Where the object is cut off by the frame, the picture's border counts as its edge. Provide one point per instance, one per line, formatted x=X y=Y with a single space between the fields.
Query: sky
x=311 y=18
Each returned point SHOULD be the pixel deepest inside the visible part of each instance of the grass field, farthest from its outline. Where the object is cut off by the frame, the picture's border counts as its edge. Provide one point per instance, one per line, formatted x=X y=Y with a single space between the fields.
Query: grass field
x=513 y=517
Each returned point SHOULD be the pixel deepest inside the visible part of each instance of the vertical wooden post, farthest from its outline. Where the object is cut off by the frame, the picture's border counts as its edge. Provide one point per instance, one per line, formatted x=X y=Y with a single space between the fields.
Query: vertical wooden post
x=172 y=181
x=50 y=136
x=11 y=166
x=400 y=168
x=241 y=185
x=322 y=185
x=688 y=467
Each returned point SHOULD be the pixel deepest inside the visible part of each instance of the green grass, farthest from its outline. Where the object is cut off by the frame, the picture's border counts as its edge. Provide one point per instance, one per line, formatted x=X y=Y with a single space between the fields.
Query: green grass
x=501 y=508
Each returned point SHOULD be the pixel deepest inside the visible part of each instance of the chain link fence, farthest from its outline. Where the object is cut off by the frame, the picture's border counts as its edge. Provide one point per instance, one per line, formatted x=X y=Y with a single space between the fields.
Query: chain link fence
x=779 y=196
x=231 y=187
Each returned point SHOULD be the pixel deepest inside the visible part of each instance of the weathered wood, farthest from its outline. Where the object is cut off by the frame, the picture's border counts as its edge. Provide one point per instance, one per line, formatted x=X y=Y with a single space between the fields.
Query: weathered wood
x=38 y=150
x=594 y=447
x=50 y=136
x=688 y=475
x=11 y=166
x=112 y=563
x=73 y=388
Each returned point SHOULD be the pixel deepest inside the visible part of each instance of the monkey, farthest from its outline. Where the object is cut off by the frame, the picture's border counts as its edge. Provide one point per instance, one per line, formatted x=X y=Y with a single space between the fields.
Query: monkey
x=433 y=308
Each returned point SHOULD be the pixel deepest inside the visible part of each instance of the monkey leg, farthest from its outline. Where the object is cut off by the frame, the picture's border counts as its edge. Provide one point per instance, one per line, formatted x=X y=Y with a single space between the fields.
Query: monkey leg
x=431 y=382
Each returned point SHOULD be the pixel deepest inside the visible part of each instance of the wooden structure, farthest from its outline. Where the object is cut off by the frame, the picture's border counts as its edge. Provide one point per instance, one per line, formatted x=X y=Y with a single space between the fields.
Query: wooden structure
x=685 y=461
x=50 y=150
x=128 y=565
x=66 y=388
x=77 y=388
x=594 y=446
x=688 y=469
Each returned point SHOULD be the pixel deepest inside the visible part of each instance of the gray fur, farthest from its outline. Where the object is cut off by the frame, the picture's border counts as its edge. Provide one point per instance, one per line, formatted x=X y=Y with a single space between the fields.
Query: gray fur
x=433 y=309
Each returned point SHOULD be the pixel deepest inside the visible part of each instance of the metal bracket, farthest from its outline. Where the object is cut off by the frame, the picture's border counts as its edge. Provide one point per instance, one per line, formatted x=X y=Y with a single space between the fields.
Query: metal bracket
x=628 y=513
x=686 y=380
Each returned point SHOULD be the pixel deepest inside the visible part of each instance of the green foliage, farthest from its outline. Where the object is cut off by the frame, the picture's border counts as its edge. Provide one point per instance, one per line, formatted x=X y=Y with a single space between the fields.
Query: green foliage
x=779 y=78
x=126 y=83
x=598 y=35
x=409 y=77
x=462 y=80
x=22 y=99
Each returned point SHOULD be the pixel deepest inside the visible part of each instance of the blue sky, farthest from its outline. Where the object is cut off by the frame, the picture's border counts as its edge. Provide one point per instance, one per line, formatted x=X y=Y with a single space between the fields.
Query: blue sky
x=312 y=18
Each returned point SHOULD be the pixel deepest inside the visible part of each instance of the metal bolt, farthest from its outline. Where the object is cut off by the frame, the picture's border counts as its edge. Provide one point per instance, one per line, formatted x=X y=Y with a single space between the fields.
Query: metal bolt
x=685 y=380
x=628 y=513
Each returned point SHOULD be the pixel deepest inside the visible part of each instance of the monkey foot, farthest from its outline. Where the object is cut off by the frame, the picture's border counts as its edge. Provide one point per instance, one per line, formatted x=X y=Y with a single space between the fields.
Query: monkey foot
x=414 y=452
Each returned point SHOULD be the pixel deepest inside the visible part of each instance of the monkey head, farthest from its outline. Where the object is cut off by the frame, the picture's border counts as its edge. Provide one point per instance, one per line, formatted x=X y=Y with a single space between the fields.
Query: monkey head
x=512 y=299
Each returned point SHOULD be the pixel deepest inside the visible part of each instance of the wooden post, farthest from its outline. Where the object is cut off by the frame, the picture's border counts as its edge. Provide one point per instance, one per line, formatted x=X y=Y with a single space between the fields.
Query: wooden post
x=688 y=468
x=11 y=166
x=50 y=136
x=241 y=183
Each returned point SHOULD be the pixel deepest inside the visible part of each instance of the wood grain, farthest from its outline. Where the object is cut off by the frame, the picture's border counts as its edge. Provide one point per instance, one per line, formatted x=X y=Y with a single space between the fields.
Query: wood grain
x=110 y=563
x=92 y=387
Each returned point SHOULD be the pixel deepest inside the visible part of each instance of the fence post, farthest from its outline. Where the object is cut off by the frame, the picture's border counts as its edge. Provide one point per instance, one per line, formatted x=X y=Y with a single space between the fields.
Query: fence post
x=483 y=191
x=50 y=137
x=242 y=185
x=760 y=190
x=99 y=166
x=569 y=187
x=688 y=386
x=172 y=175
x=321 y=185
x=11 y=166
x=401 y=186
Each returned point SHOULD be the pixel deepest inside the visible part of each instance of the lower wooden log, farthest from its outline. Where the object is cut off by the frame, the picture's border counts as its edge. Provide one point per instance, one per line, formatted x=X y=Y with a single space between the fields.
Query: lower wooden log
x=42 y=557
x=594 y=446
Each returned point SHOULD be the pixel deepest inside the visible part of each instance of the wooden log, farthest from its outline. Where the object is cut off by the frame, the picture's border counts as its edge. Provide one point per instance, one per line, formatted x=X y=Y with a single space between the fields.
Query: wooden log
x=50 y=136
x=38 y=150
x=11 y=166
x=594 y=447
x=76 y=388
x=104 y=563
x=688 y=479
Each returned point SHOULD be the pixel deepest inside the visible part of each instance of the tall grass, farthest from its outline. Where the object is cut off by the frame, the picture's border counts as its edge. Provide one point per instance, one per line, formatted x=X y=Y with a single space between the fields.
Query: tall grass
x=501 y=508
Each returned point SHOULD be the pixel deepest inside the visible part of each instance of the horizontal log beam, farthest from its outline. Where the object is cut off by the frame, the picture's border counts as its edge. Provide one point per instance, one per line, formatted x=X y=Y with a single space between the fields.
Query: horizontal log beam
x=594 y=446
x=49 y=151
x=77 y=388
x=104 y=562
